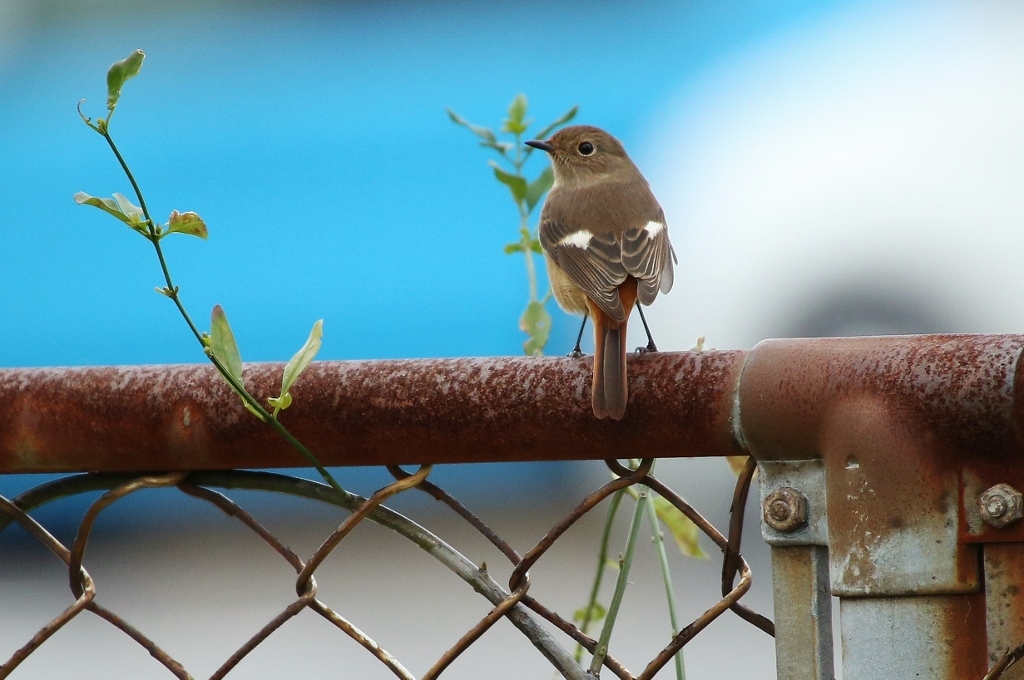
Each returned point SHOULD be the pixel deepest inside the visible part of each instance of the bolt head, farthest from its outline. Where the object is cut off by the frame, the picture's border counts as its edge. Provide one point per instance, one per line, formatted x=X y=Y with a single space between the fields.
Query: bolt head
x=1001 y=505
x=785 y=509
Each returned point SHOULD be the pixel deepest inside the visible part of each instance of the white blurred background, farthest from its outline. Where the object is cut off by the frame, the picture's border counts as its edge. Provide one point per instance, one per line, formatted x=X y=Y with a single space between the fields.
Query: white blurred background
x=827 y=168
x=858 y=174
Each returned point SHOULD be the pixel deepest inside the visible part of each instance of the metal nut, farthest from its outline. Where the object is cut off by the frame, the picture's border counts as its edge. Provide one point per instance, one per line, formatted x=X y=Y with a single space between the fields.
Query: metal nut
x=785 y=509
x=1001 y=505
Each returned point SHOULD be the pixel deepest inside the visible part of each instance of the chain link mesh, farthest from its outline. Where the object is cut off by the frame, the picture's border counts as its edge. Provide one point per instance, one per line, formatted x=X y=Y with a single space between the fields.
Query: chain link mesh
x=512 y=600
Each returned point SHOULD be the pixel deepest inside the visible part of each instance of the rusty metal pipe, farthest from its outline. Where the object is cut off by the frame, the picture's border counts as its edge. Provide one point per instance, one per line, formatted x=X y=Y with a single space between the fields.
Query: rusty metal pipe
x=185 y=417
x=961 y=389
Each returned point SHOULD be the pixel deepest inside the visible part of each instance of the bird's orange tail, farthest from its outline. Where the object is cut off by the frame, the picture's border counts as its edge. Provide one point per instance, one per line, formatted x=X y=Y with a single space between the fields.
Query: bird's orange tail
x=610 y=391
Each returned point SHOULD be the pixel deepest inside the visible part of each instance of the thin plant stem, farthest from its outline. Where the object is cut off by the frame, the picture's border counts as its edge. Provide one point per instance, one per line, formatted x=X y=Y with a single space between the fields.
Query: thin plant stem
x=524 y=222
x=153 y=236
x=271 y=420
x=172 y=292
x=666 y=575
x=625 y=562
x=602 y=561
x=531 y=271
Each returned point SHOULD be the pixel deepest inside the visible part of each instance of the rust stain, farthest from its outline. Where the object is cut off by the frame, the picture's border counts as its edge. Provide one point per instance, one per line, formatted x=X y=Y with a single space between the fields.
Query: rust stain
x=959 y=388
x=897 y=422
x=1004 y=572
x=893 y=506
x=963 y=631
x=364 y=413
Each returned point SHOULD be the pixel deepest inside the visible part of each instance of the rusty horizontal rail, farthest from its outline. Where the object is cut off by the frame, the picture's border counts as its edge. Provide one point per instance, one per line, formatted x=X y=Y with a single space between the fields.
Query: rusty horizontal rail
x=960 y=389
x=184 y=417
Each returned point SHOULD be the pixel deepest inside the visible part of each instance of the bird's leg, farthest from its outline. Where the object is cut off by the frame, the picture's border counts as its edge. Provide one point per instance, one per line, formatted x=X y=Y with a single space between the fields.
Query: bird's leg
x=576 y=352
x=651 y=347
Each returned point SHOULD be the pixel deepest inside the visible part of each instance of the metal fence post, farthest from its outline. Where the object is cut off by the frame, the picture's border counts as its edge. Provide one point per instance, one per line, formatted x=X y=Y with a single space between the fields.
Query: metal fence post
x=919 y=443
x=803 y=613
x=1004 y=602
x=794 y=524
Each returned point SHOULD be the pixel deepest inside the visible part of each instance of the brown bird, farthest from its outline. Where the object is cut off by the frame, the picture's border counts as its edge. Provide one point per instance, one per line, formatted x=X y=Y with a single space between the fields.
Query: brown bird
x=606 y=246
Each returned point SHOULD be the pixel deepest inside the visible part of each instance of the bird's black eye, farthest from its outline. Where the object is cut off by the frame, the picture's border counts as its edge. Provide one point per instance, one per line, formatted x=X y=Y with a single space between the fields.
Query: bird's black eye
x=585 y=148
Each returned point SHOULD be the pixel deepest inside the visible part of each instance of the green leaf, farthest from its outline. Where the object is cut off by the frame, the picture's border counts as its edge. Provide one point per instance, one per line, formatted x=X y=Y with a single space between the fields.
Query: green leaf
x=538 y=187
x=514 y=128
x=118 y=206
x=252 y=409
x=516 y=123
x=223 y=346
x=86 y=119
x=562 y=120
x=280 y=403
x=107 y=205
x=526 y=240
x=484 y=133
x=535 y=322
x=119 y=72
x=129 y=210
x=597 y=612
x=501 y=147
x=515 y=183
x=301 y=360
x=187 y=223
x=517 y=109
x=683 y=530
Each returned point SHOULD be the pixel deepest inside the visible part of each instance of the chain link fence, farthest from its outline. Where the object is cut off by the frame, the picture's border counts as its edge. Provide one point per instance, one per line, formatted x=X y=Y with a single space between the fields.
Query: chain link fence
x=888 y=477
x=511 y=601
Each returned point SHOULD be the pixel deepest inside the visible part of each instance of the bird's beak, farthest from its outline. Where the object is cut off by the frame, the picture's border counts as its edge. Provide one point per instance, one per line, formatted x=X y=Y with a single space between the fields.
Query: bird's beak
x=539 y=144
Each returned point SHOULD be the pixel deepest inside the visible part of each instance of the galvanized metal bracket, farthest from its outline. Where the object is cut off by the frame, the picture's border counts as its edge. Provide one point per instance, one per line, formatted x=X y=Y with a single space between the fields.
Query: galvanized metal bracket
x=806 y=477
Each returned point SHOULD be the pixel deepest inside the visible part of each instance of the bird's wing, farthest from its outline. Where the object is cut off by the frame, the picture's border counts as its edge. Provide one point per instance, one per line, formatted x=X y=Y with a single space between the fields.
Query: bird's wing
x=593 y=261
x=647 y=255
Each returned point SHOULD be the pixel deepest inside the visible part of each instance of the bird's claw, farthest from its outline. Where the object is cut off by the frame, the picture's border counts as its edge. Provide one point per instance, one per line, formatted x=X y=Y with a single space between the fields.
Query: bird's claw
x=576 y=353
x=651 y=347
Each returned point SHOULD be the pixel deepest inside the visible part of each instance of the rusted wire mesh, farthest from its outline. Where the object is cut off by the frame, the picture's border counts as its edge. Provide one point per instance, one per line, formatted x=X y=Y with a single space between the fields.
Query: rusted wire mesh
x=512 y=601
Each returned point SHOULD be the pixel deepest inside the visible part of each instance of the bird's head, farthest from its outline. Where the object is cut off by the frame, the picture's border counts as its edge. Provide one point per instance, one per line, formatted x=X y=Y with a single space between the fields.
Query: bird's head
x=584 y=154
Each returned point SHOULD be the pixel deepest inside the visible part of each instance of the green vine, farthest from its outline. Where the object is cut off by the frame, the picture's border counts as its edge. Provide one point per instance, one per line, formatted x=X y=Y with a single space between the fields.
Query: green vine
x=219 y=344
x=508 y=169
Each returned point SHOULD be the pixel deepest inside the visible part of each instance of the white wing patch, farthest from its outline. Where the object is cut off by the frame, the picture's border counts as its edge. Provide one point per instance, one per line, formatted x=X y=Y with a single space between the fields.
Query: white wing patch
x=653 y=228
x=577 y=239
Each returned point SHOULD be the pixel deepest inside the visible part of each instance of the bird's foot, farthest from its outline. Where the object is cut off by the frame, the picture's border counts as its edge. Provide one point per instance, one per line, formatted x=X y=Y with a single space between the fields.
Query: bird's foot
x=651 y=347
x=576 y=353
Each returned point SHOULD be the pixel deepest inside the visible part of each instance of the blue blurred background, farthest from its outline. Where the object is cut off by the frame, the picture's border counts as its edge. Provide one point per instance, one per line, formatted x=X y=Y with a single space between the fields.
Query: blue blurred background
x=312 y=138
x=827 y=167
x=821 y=165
